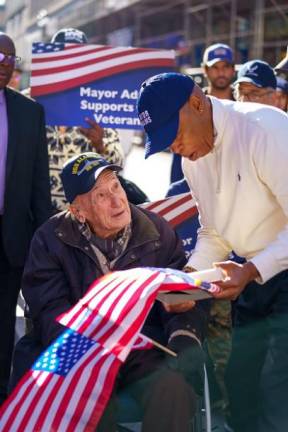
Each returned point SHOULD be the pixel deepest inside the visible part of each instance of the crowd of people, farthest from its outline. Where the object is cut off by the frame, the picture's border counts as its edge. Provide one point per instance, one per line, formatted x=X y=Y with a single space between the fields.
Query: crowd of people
x=61 y=231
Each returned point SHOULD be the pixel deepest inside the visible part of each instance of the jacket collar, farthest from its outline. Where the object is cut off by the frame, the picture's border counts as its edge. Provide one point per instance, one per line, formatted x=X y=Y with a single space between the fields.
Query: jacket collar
x=143 y=230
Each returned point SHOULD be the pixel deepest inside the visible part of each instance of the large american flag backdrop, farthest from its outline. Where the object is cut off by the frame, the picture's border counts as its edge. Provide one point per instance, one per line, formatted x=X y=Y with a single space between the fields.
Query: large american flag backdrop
x=69 y=385
x=77 y=80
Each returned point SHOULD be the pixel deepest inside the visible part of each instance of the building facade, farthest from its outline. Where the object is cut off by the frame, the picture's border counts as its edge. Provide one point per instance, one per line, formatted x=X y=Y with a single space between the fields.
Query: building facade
x=253 y=28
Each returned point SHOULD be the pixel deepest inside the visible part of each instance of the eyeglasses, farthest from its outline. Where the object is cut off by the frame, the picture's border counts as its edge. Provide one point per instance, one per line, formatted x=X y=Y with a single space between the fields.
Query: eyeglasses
x=10 y=58
x=252 y=96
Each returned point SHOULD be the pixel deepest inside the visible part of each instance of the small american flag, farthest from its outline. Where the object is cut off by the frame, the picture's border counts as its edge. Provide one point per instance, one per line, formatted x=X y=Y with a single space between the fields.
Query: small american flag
x=175 y=209
x=68 y=387
x=58 y=67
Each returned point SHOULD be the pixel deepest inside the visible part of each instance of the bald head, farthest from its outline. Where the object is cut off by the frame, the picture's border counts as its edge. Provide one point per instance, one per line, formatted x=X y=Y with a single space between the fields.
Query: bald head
x=7 y=59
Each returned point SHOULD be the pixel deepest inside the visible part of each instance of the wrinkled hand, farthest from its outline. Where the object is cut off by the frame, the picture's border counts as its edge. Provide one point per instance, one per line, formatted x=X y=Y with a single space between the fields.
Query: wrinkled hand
x=179 y=307
x=237 y=276
x=94 y=133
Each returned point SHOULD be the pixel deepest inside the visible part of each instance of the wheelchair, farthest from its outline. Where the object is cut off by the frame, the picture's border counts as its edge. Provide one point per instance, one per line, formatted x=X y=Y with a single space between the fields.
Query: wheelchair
x=130 y=413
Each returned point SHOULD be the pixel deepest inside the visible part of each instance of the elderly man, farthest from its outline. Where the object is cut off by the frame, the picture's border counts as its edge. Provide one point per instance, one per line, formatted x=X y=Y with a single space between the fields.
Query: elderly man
x=99 y=233
x=235 y=161
x=256 y=82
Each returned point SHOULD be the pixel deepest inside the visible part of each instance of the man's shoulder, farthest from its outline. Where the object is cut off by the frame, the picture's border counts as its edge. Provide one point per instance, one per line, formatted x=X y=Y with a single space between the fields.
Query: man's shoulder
x=22 y=100
x=50 y=227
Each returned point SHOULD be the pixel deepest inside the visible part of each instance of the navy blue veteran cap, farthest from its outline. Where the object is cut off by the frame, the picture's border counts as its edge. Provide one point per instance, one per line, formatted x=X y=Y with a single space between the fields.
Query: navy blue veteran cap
x=257 y=72
x=160 y=99
x=217 y=52
x=80 y=173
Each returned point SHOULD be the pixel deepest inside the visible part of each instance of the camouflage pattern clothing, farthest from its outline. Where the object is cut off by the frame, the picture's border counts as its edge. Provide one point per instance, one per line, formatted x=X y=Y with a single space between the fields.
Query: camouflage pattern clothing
x=219 y=346
x=65 y=142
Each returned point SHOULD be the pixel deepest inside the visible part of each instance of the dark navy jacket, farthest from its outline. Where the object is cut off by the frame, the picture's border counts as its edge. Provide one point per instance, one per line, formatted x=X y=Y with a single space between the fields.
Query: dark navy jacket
x=62 y=265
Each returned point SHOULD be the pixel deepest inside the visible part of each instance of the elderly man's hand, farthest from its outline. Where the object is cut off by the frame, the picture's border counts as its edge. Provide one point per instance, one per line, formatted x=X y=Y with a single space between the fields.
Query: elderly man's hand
x=94 y=133
x=237 y=277
x=179 y=307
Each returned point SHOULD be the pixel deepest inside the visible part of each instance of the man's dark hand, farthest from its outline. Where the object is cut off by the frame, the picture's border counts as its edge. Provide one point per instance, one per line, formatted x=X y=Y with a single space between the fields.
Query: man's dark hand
x=237 y=277
x=94 y=133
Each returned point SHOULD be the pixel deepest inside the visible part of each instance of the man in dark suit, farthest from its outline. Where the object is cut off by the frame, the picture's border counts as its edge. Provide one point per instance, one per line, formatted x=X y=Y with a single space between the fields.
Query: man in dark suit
x=24 y=194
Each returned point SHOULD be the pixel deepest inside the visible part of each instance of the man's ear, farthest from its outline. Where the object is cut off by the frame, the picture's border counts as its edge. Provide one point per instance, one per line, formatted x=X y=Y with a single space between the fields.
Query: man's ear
x=76 y=212
x=196 y=102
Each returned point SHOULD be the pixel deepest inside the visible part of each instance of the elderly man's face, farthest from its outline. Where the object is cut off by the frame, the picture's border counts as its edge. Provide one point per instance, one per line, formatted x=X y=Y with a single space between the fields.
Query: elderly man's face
x=248 y=92
x=105 y=207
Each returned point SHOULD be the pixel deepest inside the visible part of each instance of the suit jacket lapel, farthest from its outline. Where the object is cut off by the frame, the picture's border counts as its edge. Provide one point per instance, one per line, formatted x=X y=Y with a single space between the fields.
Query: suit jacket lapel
x=12 y=115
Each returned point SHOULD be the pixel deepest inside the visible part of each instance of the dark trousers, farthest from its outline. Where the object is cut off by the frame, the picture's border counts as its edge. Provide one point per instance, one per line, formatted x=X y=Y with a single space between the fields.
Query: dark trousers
x=167 y=400
x=257 y=373
x=10 y=280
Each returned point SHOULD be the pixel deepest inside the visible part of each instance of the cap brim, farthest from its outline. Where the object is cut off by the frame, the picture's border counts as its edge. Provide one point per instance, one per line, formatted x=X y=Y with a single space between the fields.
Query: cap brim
x=111 y=167
x=248 y=80
x=216 y=60
x=163 y=137
x=94 y=176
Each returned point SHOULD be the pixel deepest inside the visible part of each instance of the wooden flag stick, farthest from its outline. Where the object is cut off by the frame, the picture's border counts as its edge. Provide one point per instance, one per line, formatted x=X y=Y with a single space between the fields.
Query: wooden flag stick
x=158 y=345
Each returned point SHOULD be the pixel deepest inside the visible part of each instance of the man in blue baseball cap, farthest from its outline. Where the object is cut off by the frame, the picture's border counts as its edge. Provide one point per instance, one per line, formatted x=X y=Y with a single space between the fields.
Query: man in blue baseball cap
x=235 y=159
x=219 y=70
x=256 y=82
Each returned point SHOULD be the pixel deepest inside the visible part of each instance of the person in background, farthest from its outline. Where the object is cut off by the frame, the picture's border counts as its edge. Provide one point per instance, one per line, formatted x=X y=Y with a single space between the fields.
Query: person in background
x=15 y=81
x=25 y=201
x=282 y=94
x=219 y=70
x=235 y=162
x=99 y=233
x=256 y=82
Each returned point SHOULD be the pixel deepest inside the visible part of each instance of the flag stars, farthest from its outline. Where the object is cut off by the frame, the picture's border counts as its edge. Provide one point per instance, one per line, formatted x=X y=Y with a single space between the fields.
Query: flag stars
x=61 y=356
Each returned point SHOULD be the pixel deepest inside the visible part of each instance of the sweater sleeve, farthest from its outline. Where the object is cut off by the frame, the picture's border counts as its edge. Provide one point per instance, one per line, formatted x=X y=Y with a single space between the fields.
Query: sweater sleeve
x=271 y=158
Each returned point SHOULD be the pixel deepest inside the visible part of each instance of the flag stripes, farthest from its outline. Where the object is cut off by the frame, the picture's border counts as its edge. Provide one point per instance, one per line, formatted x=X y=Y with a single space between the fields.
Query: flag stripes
x=174 y=209
x=60 y=69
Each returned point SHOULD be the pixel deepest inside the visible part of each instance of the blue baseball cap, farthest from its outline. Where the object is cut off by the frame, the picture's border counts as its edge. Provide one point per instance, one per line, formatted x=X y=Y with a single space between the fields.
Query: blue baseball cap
x=160 y=99
x=282 y=84
x=257 y=72
x=217 y=52
x=80 y=173
x=70 y=35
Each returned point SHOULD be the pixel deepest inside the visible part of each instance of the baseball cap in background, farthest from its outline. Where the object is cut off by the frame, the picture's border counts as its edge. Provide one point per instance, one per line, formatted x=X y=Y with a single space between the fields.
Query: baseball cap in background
x=217 y=52
x=257 y=72
x=70 y=35
x=80 y=173
x=160 y=99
